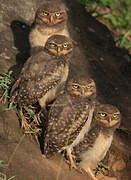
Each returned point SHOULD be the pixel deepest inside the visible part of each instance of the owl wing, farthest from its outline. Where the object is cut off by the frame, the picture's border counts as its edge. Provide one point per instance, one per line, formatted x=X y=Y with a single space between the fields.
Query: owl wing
x=28 y=70
x=66 y=120
x=39 y=74
x=48 y=78
x=88 y=141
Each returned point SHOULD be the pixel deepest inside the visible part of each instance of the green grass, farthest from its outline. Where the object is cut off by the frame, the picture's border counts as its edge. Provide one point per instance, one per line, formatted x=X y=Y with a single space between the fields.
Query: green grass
x=32 y=115
x=12 y=177
x=5 y=85
x=6 y=82
x=2 y=165
x=102 y=168
x=116 y=14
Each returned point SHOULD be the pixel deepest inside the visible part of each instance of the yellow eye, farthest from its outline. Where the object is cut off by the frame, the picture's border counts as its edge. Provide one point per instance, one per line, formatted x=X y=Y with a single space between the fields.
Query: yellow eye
x=102 y=114
x=45 y=13
x=52 y=45
x=65 y=45
x=58 y=14
x=75 y=86
x=114 y=115
x=88 y=86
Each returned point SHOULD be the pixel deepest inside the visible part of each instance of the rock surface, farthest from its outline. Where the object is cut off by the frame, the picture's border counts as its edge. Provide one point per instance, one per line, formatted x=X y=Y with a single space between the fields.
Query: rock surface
x=118 y=165
x=102 y=177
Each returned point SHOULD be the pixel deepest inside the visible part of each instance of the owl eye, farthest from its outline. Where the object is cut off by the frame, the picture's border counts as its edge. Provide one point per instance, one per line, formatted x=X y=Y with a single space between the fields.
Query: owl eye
x=65 y=45
x=58 y=14
x=114 y=115
x=45 y=13
x=52 y=45
x=75 y=86
x=88 y=86
x=103 y=114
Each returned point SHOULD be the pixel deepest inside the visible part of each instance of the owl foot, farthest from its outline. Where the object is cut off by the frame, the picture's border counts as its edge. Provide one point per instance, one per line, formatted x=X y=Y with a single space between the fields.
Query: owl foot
x=72 y=163
x=91 y=174
x=68 y=151
x=87 y=170
x=88 y=173
x=43 y=156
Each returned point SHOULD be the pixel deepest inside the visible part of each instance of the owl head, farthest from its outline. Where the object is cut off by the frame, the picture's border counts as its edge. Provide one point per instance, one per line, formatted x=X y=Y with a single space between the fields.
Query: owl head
x=51 y=13
x=82 y=87
x=59 y=45
x=107 y=115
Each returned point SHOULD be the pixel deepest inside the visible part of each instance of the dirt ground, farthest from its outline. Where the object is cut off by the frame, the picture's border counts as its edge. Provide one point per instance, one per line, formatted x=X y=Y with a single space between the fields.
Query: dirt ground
x=95 y=55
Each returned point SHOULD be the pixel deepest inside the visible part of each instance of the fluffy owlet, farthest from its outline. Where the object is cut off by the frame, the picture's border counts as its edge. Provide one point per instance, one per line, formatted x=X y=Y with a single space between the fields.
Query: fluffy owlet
x=44 y=73
x=96 y=143
x=50 y=19
x=68 y=115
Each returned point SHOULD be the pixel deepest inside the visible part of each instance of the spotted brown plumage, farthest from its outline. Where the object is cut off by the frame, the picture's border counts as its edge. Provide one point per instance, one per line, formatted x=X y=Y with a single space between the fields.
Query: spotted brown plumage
x=69 y=114
x=44 y=74
x=97 y=142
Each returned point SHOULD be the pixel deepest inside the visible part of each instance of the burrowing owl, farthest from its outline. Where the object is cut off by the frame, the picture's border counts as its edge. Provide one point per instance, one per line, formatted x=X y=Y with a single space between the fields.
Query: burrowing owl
x=44 y=73
x=96 y=143
x=68 y=115
x=50 y=19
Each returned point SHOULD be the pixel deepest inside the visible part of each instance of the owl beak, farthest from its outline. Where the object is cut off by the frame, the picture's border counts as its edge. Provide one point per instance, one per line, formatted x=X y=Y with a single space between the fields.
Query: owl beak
x=51 y=20
x=58 y=49
x=110 y=119
x=83 y=91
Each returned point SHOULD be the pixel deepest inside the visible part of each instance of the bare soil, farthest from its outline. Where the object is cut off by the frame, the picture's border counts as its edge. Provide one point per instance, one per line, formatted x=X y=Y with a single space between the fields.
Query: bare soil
x=95 y=55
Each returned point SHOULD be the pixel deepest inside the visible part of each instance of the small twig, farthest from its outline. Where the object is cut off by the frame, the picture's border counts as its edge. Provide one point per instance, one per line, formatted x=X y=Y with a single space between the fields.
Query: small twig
x=17 y=146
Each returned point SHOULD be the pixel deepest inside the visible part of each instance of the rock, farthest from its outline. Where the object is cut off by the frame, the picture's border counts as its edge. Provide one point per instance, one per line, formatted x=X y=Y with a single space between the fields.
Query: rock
x=119 y=165
x=111 y=159
x=102 y=177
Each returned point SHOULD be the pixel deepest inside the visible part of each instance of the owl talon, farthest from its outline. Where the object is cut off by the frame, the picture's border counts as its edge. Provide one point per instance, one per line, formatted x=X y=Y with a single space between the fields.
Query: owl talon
x=68 y=152
x=43 y=156
x=72 y=163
